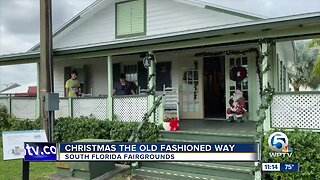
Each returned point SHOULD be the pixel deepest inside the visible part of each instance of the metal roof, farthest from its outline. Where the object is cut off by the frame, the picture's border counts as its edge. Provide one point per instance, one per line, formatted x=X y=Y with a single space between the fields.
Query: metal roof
x=287 y=23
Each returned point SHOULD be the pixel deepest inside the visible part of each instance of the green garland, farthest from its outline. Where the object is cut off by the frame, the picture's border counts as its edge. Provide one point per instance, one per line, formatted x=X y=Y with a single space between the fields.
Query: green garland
x=195 y=86
x=150 y=76
x=230 y=52
x=150 y=90
x=266 y=93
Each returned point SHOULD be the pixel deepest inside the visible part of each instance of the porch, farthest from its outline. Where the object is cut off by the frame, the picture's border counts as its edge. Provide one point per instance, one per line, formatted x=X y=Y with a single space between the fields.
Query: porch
x=288 y=110
x=217 y=126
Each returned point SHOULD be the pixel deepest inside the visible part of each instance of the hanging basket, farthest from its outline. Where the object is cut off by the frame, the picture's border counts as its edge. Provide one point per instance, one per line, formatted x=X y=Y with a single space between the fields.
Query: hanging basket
x=238 y=73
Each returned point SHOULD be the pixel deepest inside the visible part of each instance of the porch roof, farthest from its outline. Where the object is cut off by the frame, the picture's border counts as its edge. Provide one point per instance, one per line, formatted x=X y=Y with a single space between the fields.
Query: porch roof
x=278 y=28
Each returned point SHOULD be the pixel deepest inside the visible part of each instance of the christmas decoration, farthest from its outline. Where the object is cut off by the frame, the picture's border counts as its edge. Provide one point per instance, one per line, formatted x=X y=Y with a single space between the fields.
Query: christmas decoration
x=266 y=93
x=174 y=124
x=171 y=123
x=237 y=106
x=238 y=73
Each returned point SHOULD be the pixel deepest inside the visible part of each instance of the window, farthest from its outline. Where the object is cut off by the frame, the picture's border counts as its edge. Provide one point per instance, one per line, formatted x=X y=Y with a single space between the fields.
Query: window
x=244 y=84
x=131 y=72
x=163 y=75
x=130 y=18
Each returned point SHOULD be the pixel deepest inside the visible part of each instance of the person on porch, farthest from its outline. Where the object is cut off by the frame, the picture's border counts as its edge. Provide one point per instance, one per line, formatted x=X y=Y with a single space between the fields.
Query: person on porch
x=124 y=87
x=73 y=85
x=237 y=106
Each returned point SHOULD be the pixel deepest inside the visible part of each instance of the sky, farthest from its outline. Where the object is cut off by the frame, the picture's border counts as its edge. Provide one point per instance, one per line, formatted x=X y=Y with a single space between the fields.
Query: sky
x=20 y=31
x=19 y=25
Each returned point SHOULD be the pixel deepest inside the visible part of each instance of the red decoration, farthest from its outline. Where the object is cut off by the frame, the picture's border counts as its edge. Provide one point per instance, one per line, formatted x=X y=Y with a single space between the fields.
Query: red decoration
x=238 y=73
x=174 y=124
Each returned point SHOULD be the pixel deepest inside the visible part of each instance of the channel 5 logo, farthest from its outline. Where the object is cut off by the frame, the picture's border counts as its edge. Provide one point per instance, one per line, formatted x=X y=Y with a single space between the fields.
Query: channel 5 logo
x=278 y=142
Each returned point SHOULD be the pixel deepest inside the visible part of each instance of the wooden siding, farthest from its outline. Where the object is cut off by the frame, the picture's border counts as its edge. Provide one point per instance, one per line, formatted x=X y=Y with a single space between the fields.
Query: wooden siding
x=163 y=17
x=99 y=28
x=167 y=16
x=97 y=75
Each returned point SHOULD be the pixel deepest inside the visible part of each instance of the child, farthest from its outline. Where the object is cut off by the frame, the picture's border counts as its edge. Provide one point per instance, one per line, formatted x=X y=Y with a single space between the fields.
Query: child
x=73 y=85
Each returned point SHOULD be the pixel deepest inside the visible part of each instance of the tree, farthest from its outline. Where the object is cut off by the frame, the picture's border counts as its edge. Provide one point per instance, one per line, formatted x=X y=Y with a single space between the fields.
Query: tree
x=303 y=63
x=315 y=43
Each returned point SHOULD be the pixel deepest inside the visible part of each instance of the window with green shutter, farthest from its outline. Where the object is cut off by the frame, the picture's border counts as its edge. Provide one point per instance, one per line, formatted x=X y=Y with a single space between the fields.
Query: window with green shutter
x=130 y=18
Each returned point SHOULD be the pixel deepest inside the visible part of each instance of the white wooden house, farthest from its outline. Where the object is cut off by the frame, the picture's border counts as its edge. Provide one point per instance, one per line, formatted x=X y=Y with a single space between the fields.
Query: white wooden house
x=178 y=33
x=195 y=45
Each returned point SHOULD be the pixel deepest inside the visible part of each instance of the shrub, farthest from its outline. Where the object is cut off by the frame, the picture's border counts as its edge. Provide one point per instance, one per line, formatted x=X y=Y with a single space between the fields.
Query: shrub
x=306 y=147
x=72 y=129
x=150 y=132
x=10 y=123
x=4 y=118
x=27 y=124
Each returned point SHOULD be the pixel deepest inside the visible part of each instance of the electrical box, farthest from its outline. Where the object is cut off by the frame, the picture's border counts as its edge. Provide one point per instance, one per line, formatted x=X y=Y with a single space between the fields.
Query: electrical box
x=51 y=101
x=85 y=170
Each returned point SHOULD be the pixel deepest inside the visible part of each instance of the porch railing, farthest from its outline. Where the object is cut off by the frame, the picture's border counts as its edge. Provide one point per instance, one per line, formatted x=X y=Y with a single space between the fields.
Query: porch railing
x=95 y=106
x=21 y=107
x=125 y=108
x=134 y=136
x=296 y=110
x=86 y=106
x=130 y=108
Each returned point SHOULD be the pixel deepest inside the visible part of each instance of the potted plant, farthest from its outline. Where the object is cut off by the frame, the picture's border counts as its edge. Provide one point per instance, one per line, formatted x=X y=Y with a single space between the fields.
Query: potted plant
x=170 y=123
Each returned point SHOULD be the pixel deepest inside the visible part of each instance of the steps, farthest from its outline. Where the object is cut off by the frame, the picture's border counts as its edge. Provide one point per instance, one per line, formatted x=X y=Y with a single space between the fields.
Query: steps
x=155 y=173
x=197 y=170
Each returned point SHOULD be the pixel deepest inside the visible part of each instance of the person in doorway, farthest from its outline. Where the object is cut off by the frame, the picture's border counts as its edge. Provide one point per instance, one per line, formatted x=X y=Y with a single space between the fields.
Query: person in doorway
x=73 y=85
x=237 y=106
x=124 y=87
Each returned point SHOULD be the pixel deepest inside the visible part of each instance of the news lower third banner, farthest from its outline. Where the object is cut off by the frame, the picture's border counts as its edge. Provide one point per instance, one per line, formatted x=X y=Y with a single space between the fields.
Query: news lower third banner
x=143 y=151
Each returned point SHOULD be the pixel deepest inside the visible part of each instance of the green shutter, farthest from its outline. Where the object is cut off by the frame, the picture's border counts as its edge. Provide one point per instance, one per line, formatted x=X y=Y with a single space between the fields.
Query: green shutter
x=130 y=18
x=67 y=75
x=123 y=19
x=142 y=76
x=137 y=17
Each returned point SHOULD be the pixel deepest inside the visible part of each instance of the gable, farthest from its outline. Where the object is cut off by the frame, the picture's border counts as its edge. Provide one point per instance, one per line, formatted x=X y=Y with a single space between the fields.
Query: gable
x=170 y=16
x=162 y=17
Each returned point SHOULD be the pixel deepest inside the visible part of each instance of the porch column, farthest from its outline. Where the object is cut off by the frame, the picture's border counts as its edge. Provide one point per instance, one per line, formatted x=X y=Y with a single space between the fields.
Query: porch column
x=110 y=88
x=267 y=78
x=151 y=85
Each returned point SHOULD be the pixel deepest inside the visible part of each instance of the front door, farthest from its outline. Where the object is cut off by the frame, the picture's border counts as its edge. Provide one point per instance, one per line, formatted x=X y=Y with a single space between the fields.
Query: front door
x=214 y=87
x=248 y=85
x=190 y=88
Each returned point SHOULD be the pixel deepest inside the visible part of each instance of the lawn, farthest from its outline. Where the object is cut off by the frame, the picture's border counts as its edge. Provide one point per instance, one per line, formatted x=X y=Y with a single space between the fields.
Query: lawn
x=12 y=169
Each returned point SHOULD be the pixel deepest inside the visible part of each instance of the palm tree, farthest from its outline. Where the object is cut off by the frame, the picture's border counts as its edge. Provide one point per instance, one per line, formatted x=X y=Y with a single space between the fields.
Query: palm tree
x=315 y=43
x=304 y=59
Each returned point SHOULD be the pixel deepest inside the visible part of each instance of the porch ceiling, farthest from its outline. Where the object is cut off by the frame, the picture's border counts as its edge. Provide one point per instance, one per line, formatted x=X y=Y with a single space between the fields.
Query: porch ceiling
x=306 y=25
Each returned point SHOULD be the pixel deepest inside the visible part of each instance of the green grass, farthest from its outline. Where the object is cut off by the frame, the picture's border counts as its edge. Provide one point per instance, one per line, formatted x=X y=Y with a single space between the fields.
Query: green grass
x=12 y=169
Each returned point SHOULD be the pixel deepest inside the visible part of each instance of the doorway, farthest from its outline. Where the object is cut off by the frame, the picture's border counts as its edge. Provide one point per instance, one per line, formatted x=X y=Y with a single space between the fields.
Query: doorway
x=214 y=87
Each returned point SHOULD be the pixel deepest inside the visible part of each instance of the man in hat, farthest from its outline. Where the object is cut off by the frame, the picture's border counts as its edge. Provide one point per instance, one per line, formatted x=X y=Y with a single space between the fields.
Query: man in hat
x=123 y=87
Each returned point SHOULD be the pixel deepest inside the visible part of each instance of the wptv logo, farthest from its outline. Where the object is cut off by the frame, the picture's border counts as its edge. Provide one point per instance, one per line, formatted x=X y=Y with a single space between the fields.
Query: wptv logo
x=278 y=142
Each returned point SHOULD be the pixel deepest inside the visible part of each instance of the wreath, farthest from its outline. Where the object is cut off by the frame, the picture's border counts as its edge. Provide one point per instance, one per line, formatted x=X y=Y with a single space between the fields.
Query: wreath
x=238 y=73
